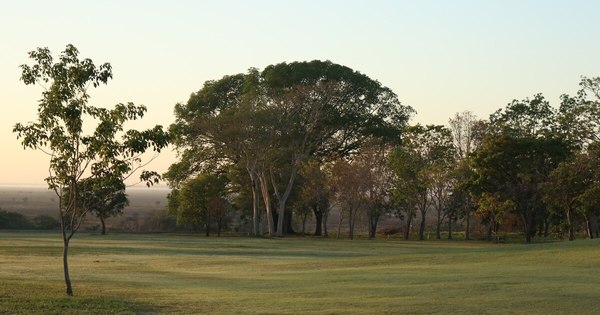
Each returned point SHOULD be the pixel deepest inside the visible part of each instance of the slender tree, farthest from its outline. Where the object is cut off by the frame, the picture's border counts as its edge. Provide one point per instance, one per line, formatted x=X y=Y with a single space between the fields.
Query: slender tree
x=74 y=155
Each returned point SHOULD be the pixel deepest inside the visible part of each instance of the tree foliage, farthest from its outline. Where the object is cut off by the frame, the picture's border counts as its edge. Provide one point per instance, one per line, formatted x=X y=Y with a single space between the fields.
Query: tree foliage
x=200 y=201
x=109 y=153
x=273 y=121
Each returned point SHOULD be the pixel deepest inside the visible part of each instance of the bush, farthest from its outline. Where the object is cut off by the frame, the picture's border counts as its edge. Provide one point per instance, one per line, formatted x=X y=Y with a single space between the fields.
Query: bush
x=14 y=221
x=45 y=222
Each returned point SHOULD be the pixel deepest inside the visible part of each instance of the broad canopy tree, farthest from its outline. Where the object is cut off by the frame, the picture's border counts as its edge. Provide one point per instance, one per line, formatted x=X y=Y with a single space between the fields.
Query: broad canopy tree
x=109 y=154
x=274 y=121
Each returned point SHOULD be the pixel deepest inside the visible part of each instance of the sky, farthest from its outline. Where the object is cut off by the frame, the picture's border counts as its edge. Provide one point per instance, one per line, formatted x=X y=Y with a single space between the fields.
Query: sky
x=440 y=57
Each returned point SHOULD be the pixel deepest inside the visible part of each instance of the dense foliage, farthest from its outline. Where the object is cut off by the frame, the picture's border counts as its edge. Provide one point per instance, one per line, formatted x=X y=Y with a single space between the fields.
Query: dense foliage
x=324 y=139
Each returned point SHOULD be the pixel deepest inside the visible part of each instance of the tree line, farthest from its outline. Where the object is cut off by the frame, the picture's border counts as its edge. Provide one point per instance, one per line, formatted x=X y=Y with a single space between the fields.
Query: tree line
x=302 y=138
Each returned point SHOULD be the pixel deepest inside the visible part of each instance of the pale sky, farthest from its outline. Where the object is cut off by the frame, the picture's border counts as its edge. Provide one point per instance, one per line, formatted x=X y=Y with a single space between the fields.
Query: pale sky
x=440 y=57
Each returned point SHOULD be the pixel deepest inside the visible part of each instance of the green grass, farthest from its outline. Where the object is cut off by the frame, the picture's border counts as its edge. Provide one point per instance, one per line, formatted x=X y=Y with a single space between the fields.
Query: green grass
x=129 y=273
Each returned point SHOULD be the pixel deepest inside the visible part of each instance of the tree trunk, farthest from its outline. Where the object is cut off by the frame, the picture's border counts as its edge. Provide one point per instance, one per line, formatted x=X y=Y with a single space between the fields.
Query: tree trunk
x=255 y=200
x=351 y=224
x=219 y=223
x=438 y=227
x=264 y=188
x=450 y=227
x=371 y=224
x=282 y=199
x=373 y=221
x=571 y=225
x=66 y=265
x=304 y=216
x=103 y=225
x=318 y=220
x=489 y=231
x=468 y=227
x=422 y=226
x=407 y=230
x=325 y=216
x=423 y=210
x=288 y=224
x=340 y=224
x=529 y=226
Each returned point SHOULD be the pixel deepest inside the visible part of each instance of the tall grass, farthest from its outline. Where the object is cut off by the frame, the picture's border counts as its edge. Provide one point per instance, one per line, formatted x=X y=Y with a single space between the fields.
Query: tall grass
x=129 y=273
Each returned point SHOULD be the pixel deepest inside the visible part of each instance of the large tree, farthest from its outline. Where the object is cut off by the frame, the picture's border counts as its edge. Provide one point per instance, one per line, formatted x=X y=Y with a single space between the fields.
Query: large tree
x=520 y=151
x=274 y=121
x=75 y=155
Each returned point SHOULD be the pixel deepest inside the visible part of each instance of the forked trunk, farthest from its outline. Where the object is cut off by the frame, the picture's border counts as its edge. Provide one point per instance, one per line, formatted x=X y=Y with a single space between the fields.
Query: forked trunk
x=282 y=199
x=264 y=188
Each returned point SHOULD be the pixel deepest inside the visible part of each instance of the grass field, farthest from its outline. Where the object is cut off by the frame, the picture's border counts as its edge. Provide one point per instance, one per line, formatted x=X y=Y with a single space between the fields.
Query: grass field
x=134 y=273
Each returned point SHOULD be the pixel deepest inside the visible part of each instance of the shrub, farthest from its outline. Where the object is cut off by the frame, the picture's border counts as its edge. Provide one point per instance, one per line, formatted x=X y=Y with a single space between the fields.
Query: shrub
x=14 y=221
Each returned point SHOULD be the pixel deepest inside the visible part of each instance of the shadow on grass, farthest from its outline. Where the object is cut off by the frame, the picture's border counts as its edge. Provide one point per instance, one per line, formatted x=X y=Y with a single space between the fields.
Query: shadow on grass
x=28 y=297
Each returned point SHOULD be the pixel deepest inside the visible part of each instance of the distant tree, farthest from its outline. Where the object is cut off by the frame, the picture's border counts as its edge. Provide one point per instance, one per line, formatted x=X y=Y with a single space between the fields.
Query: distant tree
x=372 y=160
x=200 y=201
x=493 y=211
x=408 y=190
x=45 y=222
x=303 y=211
x=74 y=155
x=349 y=185
x=218 y=207
x=573 y=188
x=106 y=199
x=13 y=221
x=579 y=116
x=315 y=195
x=421 y=165
x=467 y=132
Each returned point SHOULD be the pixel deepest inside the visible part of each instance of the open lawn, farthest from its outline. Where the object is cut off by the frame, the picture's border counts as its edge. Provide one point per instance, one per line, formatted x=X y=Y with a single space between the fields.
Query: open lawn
x=133 y=273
